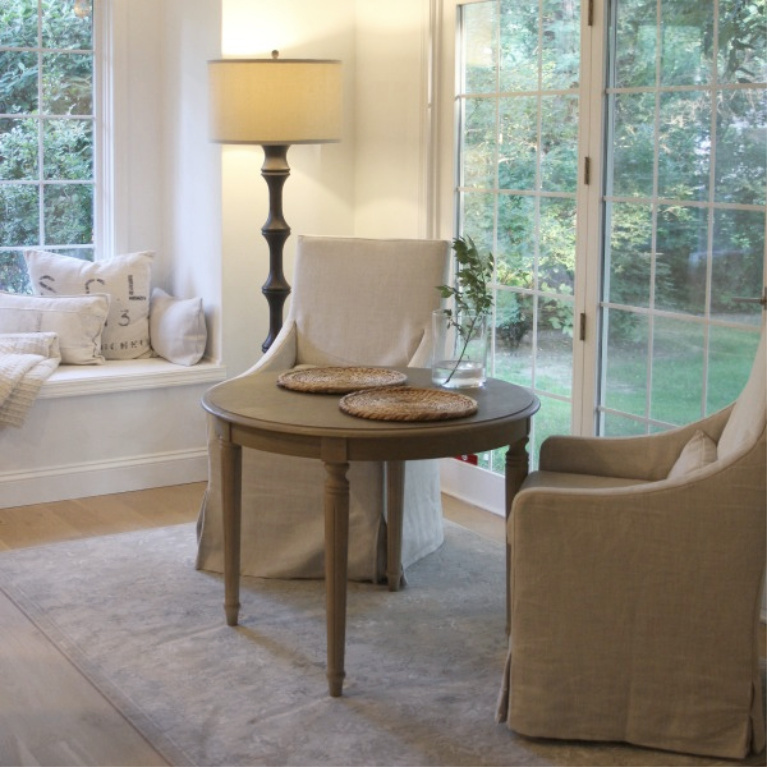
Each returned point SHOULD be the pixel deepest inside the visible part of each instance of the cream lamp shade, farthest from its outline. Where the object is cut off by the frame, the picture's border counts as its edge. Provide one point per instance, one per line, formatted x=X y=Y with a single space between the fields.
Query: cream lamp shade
x=275 y=101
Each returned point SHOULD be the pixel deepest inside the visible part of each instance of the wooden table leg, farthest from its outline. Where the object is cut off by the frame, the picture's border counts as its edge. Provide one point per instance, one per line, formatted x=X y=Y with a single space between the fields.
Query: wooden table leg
x=336 y=563
x=395 y=491
x=231 y=492
x=517 y=465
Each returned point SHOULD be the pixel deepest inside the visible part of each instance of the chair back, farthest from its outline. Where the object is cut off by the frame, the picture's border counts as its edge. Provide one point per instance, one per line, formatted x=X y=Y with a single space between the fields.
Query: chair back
x=749 y=415
x=363 y=301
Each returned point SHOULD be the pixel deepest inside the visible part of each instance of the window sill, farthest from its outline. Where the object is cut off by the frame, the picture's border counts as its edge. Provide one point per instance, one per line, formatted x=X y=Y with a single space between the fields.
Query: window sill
x=127 y=375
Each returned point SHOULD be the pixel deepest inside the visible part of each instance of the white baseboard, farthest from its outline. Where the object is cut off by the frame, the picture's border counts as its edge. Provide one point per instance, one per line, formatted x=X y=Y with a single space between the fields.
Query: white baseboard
x=473 y=485
x=59 y=483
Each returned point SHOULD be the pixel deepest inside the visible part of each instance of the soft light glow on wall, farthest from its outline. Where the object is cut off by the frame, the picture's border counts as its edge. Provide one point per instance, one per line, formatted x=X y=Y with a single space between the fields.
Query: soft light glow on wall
x=248 y=31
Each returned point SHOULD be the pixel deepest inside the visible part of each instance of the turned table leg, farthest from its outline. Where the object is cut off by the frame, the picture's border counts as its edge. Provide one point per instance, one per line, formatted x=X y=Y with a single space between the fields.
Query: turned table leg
x=231 y=492
x=395 y=490
x=336 y=562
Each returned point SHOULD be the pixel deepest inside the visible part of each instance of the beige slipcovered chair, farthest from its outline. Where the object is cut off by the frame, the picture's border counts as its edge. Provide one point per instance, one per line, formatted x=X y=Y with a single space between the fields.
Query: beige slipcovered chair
x=355 y=302
x=637 y=568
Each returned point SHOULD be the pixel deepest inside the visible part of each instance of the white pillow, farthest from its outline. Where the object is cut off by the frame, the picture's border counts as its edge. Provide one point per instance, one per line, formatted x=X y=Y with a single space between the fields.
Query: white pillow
x=697 y=453
x=177 y=328
x=126 y=279
x=78 y=321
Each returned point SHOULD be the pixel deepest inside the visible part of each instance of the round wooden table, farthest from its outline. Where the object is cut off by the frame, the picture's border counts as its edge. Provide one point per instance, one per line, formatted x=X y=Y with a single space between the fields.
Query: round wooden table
x=252 y=411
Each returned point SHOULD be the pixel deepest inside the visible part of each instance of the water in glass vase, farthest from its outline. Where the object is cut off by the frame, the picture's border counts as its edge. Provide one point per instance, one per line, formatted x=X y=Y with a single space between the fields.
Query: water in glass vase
x=458 y=375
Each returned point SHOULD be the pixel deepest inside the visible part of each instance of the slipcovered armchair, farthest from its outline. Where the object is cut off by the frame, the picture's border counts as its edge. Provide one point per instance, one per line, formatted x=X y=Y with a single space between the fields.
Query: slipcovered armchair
x=637 y=566
x=355 y=302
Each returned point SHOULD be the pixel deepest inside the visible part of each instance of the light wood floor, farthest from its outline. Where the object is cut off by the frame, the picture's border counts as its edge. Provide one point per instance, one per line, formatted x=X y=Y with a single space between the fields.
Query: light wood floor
x=49 y=713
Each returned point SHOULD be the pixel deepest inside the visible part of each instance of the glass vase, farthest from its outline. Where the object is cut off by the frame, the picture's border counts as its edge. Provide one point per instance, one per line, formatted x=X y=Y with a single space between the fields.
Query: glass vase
x=459 y=354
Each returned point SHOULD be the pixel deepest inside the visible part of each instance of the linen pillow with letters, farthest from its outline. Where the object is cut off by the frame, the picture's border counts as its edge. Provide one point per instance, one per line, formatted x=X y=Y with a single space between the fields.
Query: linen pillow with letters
x=125 y=279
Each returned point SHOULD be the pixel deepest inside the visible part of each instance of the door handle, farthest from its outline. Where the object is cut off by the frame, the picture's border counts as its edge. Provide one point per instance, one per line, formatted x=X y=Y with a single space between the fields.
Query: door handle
x=762 y=300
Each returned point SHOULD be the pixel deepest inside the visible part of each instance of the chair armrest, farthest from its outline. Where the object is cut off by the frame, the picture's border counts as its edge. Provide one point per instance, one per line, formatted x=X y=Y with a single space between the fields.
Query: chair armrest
x=649 y=457
x=422 y=356
x=726 y=499
x=281 y=355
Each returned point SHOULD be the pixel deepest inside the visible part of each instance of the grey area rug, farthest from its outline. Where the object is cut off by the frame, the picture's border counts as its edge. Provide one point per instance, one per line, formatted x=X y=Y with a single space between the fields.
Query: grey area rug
x=423 y=665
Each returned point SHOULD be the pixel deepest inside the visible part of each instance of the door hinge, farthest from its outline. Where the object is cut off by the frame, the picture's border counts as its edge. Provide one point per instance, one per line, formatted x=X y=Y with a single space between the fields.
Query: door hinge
x=590 y=14
x=587 y=170
x=582 y=327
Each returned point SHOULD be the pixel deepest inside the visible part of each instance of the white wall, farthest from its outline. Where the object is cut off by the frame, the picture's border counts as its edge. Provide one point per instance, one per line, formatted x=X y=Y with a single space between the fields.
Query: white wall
x=391 y=118
x=191 y=164
x=318 y=196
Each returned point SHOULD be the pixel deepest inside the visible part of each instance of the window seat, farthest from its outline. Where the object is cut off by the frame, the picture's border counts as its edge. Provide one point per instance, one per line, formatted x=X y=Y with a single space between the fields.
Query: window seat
x=127 y=375
x=95 y=429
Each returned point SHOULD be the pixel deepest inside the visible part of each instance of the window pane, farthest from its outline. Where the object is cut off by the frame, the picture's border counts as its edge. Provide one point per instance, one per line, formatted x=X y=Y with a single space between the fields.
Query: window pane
x=62 y=28
x=679 y=284
x=742 y=42
x=683 y=146
x=68 y=214
x=480 y=49
x=68 y=150
x=18 y=150
x=478 y=139
x=688 y=32
x=18 y=24
x=478 y=214
x=519 y=142
x=516 y=239
x=632 y=148
x=519 y=46
x=637 y=44
x=677 y=371
x=614 y=425
x=513 y=353
x=513 y=321
x=624 y=362
x=559 y=143
x=554 y=352
x=741 y=138
x=20 y=222
x=554 y=417
x=68 y=84
x=18 y=82
x=561 y=49
x=556 y=265
x=738 y=256
x=731 y=356
x=13 y=272
x=629 y=255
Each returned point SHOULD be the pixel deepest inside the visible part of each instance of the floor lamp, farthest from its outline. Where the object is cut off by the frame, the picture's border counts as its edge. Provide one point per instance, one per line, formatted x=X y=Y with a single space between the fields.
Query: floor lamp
x=275 y=103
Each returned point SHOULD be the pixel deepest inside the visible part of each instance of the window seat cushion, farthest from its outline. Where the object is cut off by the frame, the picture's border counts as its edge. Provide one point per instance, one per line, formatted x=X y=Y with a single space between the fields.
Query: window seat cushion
x=124 y=375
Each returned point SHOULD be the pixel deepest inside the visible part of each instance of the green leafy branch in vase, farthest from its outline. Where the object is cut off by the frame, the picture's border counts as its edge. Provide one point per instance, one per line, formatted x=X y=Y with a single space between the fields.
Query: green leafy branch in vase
x=471 y=294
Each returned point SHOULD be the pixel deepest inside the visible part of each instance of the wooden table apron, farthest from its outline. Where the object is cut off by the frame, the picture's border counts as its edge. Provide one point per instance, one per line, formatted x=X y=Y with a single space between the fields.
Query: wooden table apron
x=254 y=412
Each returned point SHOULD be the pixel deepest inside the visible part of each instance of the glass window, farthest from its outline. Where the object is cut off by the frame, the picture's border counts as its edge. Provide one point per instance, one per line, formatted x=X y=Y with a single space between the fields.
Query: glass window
x=47 y=135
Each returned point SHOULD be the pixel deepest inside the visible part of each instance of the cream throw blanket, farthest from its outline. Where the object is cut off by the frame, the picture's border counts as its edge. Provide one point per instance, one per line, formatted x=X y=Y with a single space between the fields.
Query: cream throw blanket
x=26 y=360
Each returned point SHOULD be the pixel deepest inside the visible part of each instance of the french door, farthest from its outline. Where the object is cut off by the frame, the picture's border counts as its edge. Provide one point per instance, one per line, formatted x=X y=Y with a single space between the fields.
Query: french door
x=684 y=209
x=613 y=159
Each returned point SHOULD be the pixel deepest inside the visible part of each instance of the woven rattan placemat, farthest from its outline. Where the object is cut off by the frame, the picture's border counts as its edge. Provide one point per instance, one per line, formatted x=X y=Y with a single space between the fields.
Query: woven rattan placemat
x=407 y=403
x=339 y=380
